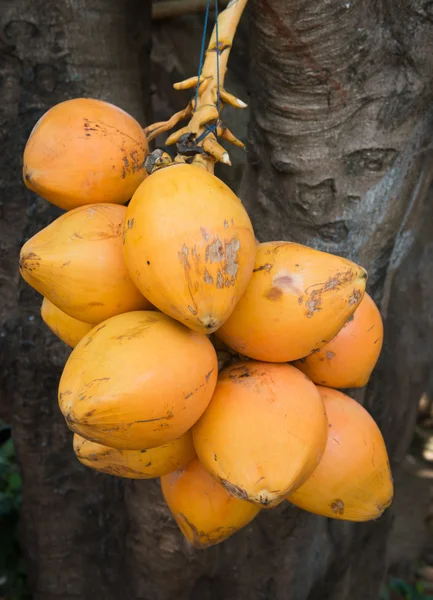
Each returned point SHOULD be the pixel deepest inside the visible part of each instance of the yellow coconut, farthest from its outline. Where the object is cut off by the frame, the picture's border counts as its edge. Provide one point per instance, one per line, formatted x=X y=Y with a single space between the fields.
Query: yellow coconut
x=264 y=431
x=137 y=381
x=348 y=359
x=298 y=299
x=77 y=263
x=189 y=245
x=136 y=464
x=84 y=151
x=204 y=511
x=353 y=481
x=68 y=329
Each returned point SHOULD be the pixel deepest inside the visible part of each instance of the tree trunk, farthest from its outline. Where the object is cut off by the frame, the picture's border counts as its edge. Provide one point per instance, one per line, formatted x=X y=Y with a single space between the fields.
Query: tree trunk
x=339 y=159
x=73 y=523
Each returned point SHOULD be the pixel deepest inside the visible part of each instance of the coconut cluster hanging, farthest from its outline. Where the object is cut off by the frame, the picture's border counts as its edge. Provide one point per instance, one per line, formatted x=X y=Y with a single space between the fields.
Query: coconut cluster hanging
x=200 y=356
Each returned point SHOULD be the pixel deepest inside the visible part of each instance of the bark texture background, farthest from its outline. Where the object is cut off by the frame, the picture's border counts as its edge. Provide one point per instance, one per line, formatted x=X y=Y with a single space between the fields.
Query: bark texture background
x=74 y=527
x=338 y=157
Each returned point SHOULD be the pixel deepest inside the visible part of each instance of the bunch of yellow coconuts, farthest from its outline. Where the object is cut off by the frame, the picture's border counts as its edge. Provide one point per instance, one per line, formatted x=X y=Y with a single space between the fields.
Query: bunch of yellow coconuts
x=199 y=355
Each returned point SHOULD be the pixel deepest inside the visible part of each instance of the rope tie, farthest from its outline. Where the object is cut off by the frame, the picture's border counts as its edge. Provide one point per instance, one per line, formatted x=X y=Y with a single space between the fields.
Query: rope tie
x=209 y=128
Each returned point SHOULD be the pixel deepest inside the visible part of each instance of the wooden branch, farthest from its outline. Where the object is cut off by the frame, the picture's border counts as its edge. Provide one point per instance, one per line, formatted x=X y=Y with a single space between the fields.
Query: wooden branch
x=176 y=8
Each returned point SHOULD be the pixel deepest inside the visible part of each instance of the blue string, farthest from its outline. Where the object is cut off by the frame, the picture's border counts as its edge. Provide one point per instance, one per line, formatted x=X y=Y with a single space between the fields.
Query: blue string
x=217 y=57
x=209 y=128
x=202 y=51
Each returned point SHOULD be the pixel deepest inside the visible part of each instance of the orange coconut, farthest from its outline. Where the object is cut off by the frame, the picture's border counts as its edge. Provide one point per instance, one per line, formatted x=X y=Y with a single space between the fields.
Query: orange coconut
x=297 y=300
x=353 y=481
x=137 y=381
x=264 y=431
x=189 y=245
x=205 y=512
x=77 y=263
x=136 y=464
x=68 y=329
x=84 y=151
x=348 y=359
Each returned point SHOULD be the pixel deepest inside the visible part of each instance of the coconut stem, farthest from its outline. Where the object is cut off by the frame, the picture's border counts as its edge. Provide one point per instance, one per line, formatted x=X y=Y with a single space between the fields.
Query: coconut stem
x=207 y=150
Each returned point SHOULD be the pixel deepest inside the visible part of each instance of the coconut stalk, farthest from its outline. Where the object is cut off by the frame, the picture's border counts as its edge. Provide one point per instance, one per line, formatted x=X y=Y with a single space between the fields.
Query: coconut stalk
x=204 y=110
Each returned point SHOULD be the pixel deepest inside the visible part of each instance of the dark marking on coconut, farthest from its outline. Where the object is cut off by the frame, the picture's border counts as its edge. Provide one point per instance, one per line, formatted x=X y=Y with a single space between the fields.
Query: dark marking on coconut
x=284 y=281
x=99 y=328
x=130 y=223
x=226 y=224
x=220 y=281
x=149 y=464
x=31 y=256
x=183 y=255
x=330 y=355
x=355 y=297
x=313 y=305
x=372 y=327
x=65 y=264
x=263 y=500
x=214 y=252
x=265 y=267
x=234 y=490
x=207 y=277
x=90 y=413
x=142 y=451
x=192 y=310
x=287 y=282
x=338 y=280
x=203 y=539
x=337 y=507
x=239 y=372
x=148 y=262
x=167 y=417
x=208 y=375
x=188 y=395
x=126 y=165
x=138 y=330
x=349 y=320
x=204 y=234
x=300 y=299
x=274 y=293
x=375 y=341
x=215 y=458
x=231 y=264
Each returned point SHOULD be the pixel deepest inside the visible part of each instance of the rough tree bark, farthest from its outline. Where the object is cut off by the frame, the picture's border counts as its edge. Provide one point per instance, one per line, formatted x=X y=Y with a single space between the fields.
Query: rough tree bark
x=339 y=158
x=73 y=527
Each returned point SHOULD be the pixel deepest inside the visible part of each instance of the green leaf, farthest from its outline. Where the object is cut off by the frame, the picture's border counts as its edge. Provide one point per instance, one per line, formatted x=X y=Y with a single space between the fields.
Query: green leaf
x=7 y=449
x=15 y=482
